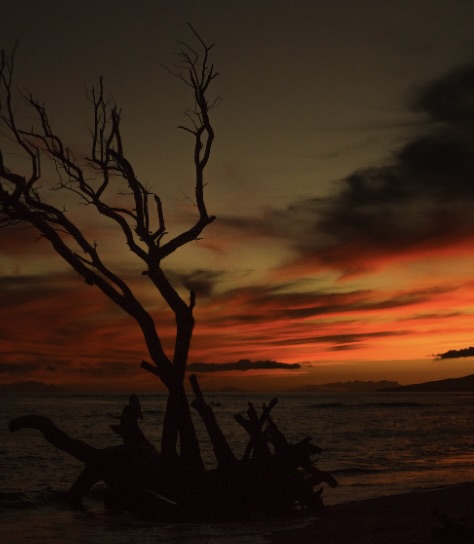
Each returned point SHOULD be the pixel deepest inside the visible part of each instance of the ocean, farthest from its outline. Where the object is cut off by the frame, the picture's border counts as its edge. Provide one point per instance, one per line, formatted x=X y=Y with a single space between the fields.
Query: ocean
x=374 y=444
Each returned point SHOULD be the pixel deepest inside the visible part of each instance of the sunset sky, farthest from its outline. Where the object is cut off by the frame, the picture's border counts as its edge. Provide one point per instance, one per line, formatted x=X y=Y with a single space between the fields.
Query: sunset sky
x=342 y=179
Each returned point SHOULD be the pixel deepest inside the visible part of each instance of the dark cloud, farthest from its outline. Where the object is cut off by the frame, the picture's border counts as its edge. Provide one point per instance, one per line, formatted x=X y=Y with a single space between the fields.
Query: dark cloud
x=256 y=303
x=242 y=365
x=22 y=289
x=19 y=288
x=31 y=360
x=438 y=315
x=200 y=281
x=421 y=197
x=450 y=98
x=345 y=347
x=339 y=341
x=346 y=339
x=456 y=353
x=424 y=194
x=108 y=370
x=19 y=368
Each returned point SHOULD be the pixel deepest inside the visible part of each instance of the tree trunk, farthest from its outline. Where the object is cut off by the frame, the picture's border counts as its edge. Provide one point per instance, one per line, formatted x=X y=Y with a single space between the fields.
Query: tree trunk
x=178 y=426
x=224 y=455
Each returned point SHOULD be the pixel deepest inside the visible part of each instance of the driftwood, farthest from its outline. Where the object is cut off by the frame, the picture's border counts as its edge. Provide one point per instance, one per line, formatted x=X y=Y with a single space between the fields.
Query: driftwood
x=224 y=455
x=272 y=477
x=124 y=466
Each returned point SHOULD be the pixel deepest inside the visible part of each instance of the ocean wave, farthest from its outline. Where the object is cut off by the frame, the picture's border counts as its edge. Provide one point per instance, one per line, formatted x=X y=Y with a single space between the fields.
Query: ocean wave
x=378 y=404
x=327 y=405
x=19 y=501
x=400 y=404
x=356 y=471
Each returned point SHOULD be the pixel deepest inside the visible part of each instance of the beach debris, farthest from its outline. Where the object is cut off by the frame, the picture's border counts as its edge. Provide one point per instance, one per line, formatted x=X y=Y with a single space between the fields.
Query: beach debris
x=273 y=476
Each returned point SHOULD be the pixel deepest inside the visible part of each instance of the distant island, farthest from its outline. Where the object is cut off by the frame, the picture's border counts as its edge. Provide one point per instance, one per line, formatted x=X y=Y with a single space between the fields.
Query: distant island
x=450 y=385
x=454 y=385
x=346 y=387
x=31 y=387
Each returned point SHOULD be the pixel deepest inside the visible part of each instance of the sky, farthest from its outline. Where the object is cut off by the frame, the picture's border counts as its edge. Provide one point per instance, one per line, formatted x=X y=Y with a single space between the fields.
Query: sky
x=341 y=177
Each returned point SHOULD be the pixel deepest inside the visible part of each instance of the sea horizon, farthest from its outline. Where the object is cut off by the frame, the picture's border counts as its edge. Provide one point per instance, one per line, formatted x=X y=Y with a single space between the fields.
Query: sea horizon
x=460 y=384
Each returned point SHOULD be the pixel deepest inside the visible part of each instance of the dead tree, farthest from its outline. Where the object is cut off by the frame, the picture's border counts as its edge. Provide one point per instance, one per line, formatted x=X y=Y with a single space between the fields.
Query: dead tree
x=171 y=483
x=273 y=476
x=139 y=219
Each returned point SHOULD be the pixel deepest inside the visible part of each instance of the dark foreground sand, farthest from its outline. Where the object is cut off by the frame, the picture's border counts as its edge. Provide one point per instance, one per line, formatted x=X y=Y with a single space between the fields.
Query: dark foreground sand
x=399 y=519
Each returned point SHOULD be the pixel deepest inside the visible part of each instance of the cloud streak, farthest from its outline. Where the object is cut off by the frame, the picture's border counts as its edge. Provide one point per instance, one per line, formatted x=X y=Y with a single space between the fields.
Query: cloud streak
x=243 y=365
x=456 y=353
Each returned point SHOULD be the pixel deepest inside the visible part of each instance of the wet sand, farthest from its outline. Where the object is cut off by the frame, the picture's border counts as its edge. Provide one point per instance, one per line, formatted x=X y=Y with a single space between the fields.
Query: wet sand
x=398 y=519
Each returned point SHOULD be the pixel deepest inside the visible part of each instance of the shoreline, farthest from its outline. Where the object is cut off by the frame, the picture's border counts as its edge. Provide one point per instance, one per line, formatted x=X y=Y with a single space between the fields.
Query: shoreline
x=405 y=518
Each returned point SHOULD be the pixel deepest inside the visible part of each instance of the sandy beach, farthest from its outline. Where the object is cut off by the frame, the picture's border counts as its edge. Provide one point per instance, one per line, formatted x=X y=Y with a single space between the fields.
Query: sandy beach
x=398 y=519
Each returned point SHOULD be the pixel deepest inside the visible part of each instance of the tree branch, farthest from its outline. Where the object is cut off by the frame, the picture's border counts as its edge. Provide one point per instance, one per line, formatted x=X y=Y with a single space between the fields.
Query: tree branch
x=137 y=213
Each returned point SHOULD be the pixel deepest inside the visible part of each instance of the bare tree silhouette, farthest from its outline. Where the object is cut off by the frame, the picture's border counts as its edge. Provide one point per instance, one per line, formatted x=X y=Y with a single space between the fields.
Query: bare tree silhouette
x=140 y=218
x=263 y=476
